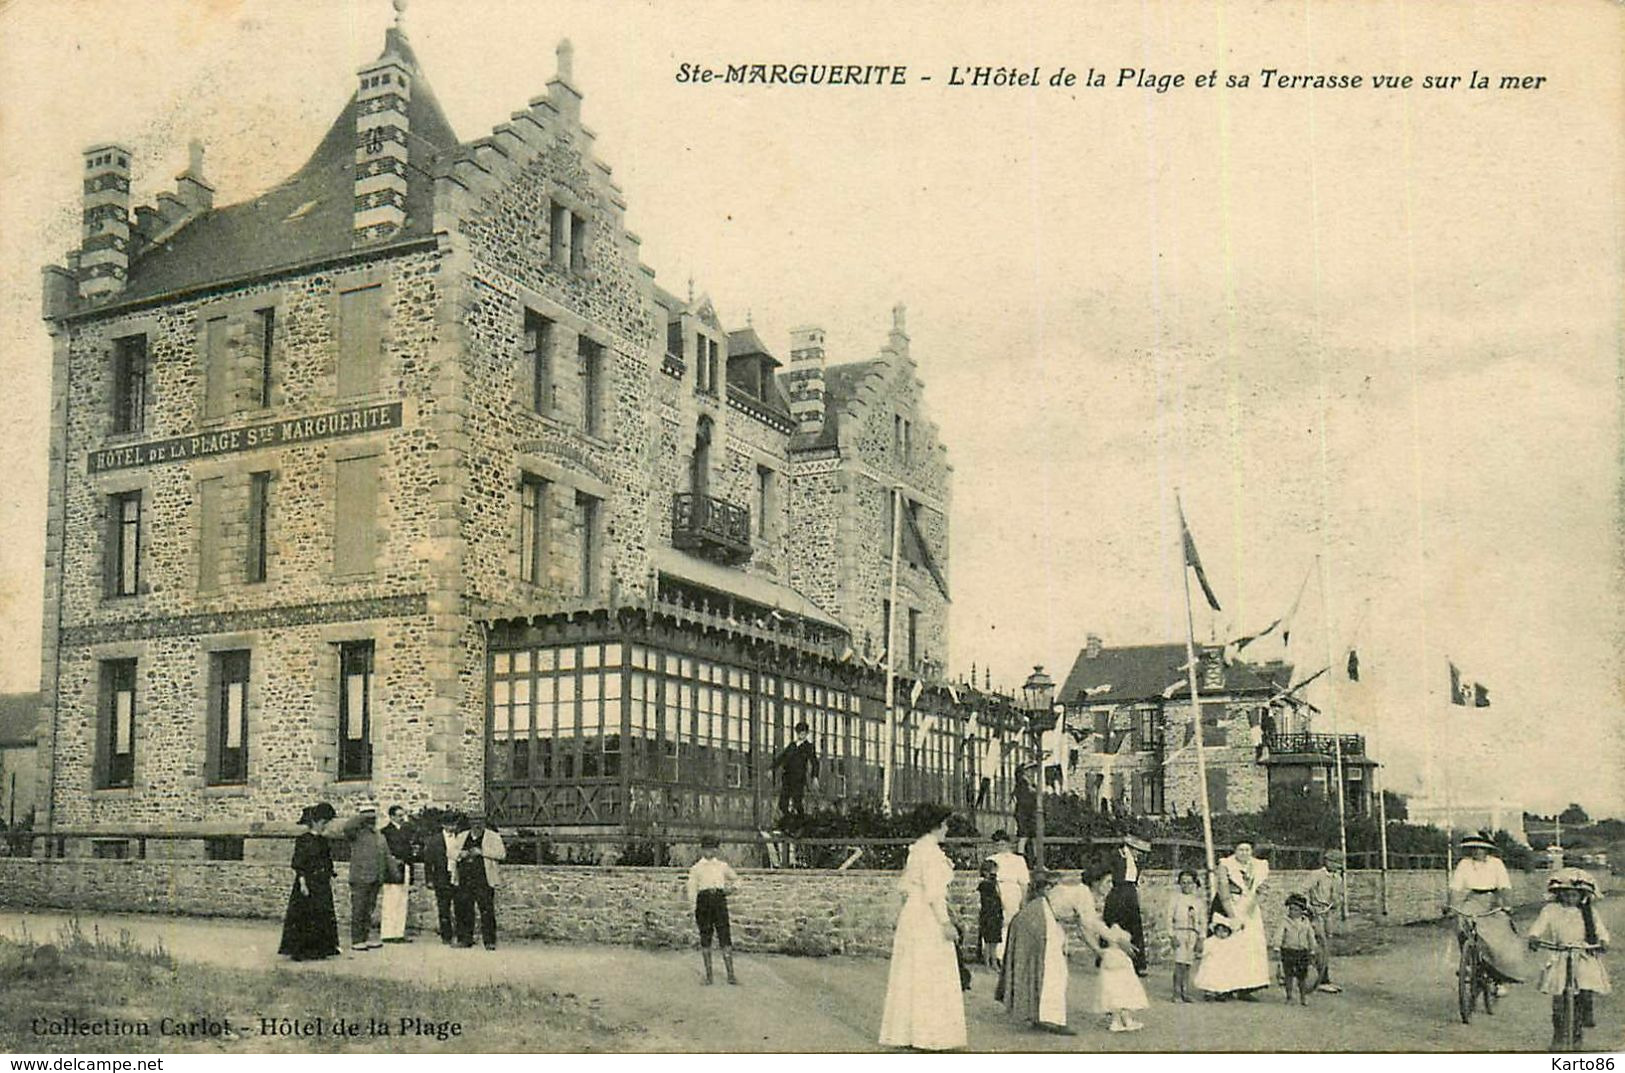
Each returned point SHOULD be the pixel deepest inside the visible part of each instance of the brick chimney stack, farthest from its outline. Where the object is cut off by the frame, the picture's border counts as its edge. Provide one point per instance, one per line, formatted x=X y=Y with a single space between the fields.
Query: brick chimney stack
x=1092 y=646
x=380 y=153
x=804 y=383
x=104 y=253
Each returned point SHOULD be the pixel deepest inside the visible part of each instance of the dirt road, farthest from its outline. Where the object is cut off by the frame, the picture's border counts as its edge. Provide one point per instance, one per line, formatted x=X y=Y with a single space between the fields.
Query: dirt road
x=1400 y=997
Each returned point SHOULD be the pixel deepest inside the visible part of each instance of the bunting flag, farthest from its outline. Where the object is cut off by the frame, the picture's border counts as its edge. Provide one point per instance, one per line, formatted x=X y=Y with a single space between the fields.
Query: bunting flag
x=1292 y=612
x=914 y=694
x=847 y=653
x=1286 y=694
x=1095 y=691
x=953 y=692
x=1194 y=561
x=1174 y=688
x=1466 y=692
x=1233 y=649
x=1354 y=665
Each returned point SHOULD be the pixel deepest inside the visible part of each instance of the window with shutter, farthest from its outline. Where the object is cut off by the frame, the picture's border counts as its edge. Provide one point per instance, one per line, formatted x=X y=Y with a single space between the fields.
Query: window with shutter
x=209 y=533
x=217 y=385
x=355 y=524
x=360 y=341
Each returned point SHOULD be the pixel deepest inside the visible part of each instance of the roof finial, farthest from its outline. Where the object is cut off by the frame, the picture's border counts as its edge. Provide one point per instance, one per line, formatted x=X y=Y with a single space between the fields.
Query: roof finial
x=566 y=59
x=898 y=313
x=691 y=288
x=750 y=318
x=194 y=158
x=400 y=15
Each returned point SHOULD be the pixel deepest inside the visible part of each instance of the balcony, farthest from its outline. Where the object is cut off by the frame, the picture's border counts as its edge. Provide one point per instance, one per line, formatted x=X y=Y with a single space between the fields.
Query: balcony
x=1316 y=744
x=712 y=527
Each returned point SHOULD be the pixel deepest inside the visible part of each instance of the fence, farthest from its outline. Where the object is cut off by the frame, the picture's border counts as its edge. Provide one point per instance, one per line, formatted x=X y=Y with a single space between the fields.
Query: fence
x=537 y=846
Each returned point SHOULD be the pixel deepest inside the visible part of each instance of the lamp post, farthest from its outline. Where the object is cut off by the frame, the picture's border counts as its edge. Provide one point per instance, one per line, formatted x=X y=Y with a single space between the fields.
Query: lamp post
x=1036 y=693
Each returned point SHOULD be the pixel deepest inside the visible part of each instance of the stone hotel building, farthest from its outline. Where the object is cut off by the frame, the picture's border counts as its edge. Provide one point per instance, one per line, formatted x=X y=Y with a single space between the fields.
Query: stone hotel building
x=405 y=478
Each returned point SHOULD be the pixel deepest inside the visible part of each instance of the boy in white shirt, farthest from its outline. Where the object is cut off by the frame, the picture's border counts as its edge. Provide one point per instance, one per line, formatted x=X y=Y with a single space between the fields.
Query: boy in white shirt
x=709 y=881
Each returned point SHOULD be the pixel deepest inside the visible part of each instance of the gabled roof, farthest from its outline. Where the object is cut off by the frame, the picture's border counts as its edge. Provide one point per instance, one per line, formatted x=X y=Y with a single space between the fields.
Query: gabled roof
x=307 y=217
x=746 y=342
x=1137 y=673
x=19 y=718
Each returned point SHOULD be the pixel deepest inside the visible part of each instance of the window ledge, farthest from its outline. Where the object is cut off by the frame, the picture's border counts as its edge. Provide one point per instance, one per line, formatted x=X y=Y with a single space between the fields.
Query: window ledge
x=232 y=789
x=111 y=792
x=351 y=787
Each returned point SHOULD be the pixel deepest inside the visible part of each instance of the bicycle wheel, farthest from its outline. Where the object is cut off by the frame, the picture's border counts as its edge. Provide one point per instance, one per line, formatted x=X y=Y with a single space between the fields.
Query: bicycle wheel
x=1569 y=1028
x=1486 y=987
x=1466 y=982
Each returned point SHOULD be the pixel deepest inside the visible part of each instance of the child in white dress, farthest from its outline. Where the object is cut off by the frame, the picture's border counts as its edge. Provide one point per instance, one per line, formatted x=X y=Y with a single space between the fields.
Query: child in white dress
x=1120 y=988
x=1571 y=920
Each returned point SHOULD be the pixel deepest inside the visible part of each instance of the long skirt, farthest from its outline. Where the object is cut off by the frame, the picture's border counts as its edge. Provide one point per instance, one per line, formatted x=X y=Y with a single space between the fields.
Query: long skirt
x=1503 y=948
x=310 y=927
x=924 y=1008
x=392 y=911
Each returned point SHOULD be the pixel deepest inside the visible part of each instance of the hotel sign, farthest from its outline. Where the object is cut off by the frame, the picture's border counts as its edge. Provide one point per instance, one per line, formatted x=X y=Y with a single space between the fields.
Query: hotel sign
x=225 y=441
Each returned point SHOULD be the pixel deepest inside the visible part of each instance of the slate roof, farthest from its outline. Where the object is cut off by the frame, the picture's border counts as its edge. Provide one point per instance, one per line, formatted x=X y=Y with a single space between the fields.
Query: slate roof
x=745 y=341
x=257 y=236
x=1141 y=673
x=840 y=387
x=19 y=718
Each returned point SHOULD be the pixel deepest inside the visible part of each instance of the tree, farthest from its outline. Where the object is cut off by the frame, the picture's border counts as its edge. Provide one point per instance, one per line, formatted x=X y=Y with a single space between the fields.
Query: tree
x=1574 y=816
x=1396 y=806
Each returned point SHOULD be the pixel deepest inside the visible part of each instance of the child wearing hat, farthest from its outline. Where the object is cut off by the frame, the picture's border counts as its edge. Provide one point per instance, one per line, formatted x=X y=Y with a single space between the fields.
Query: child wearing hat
x=709 y=881
x=1297 y=945
x=1570 y=920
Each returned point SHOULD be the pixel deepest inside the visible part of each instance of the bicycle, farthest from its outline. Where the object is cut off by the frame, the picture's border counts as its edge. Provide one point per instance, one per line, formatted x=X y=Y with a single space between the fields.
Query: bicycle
x=1568 y=1026
x=1475 y=982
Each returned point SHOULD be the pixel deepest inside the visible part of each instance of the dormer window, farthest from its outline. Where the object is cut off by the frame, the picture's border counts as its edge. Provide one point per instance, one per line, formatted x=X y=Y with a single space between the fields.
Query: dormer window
x=707 y=359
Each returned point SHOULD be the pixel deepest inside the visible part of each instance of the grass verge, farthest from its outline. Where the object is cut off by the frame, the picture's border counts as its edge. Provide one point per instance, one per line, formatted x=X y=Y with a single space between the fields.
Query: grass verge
x=94 y=993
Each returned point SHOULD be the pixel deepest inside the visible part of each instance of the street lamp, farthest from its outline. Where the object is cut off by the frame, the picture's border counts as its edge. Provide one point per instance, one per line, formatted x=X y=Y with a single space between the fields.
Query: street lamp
x=1036 y=693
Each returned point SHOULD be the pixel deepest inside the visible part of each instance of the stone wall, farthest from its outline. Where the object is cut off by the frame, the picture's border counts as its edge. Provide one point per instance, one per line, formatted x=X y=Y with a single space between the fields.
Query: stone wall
x=806 y=912
x=292 y=622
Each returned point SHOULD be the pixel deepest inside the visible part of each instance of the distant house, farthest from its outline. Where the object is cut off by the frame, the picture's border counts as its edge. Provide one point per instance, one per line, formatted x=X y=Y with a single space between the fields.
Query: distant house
x=1132 y=748
x=19 y=725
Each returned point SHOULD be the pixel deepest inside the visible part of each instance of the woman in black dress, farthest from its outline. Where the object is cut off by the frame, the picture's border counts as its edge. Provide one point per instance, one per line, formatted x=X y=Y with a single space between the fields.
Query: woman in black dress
x=310 y=930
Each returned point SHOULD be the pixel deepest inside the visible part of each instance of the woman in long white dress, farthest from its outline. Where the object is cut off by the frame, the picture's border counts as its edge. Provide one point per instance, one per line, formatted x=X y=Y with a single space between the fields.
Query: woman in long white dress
x=925 y=1009
x=1242 y=964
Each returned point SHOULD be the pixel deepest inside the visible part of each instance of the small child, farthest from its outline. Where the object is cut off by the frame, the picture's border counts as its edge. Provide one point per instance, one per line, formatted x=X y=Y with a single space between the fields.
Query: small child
x=1120 y=989
x=1297 y=946
x=709 y=881
x=1571 y=920
x=990 y=921
x=1187 y=924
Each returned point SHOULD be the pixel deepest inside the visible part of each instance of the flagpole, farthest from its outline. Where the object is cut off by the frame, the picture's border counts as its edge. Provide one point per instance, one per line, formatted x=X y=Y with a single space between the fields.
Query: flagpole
x=1337 y=740
x=1449 y=810
x=891 y=658
x=1196 y=702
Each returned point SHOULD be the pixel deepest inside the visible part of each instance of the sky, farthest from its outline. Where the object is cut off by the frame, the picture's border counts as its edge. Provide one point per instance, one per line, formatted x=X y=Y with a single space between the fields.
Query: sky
x=1372 y=337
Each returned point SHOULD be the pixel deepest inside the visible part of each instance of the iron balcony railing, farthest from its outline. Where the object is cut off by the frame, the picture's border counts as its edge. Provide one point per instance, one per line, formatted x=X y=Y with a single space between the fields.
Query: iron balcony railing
x=1322 y=744
x=713 y=527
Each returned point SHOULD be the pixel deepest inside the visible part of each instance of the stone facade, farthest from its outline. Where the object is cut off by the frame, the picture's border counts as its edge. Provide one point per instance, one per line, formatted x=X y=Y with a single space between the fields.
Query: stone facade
x=1133 y=734
x=422 y=387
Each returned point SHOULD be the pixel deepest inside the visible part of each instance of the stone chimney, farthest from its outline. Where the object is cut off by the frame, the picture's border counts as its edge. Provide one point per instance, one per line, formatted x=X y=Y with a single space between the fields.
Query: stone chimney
x=190 y=186
x=104 y=253
x=804 y=383
x=562 y=91
x=1091 y=646
x=381 y=129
